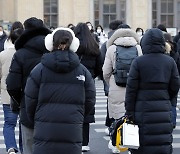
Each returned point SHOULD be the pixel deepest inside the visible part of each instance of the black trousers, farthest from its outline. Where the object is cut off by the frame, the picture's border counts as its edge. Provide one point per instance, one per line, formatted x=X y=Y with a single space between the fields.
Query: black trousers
x=85 y=134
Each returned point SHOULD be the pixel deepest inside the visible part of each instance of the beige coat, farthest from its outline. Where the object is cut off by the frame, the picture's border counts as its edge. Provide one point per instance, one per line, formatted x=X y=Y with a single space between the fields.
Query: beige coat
x=116 y=96
x=5 y=61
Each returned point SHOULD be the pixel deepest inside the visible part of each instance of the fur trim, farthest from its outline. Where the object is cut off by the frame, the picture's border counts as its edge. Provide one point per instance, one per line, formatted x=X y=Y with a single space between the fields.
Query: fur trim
x=122 y=33
x=167 y=48
x=125 y=41
x=49 y=40
x=29 y=34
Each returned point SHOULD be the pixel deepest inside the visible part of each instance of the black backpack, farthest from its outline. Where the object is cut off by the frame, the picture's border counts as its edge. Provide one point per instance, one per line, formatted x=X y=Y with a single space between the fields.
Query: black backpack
x=124 y=58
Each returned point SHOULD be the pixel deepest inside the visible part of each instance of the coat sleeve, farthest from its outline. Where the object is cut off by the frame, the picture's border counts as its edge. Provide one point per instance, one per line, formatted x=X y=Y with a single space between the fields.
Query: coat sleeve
x=131 y=89
x=32 y=92
x=174 y=84
x=108 y=65
x=14 y=79
x=90 y=93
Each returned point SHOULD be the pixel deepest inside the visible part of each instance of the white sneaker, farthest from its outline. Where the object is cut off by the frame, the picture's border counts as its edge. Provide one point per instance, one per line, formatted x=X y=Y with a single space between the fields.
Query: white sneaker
x=11 y=151
x=113 y=148
x=106 y=131
x=85 y=148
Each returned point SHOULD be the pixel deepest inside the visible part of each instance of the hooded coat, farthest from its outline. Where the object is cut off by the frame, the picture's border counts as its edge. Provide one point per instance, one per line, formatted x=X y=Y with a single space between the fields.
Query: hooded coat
x=153 y=83
x=30 y=48
x=59 y=93
x=116 y=96
x=2 y=40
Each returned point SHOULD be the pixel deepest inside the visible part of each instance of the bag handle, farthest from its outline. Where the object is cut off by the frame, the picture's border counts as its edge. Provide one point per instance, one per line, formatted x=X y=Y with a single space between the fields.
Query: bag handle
x=118 y=138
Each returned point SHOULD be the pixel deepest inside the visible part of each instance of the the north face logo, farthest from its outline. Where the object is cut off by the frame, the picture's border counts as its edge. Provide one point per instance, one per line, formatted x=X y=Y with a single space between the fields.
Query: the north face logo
x=81 y=77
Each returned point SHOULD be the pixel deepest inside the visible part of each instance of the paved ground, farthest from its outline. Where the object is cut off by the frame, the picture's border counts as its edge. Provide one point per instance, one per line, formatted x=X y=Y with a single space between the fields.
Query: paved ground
x=98 y=139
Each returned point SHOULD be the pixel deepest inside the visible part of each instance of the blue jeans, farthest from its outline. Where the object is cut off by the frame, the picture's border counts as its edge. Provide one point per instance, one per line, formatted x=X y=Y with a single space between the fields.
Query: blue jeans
x=10 y=120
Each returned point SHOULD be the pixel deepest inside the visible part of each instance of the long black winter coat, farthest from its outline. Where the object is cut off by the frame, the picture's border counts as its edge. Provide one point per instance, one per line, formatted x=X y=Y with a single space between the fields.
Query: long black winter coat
x=30 y=48
x=94 y=65
x=153 y=82
x=59 y=93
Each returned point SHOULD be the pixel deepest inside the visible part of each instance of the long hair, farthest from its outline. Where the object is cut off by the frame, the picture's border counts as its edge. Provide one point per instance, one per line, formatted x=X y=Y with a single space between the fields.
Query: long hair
x=15 y=25
x=62 y=40
x=16 y=34
x=88 y=46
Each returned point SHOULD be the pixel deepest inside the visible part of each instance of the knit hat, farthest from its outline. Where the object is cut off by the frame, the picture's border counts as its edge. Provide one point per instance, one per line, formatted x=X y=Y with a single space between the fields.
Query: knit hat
x=49 y=40
x=32 y=23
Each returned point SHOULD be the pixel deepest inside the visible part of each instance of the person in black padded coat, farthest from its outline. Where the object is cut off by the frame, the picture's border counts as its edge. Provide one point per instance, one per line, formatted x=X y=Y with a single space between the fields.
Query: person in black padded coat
x=59 y=93
x=153 y=83
x=30 y=48
x=90 y=56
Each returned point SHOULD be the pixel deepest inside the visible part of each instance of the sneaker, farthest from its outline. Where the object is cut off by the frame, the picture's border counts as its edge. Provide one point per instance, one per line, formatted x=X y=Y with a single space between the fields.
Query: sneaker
x=11 y=151
x=107 y=131
x=85 y=148
x=113 y=148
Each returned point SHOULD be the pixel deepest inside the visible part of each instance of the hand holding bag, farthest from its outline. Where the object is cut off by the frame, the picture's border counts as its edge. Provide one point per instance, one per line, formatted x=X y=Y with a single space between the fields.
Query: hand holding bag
x=127 y=135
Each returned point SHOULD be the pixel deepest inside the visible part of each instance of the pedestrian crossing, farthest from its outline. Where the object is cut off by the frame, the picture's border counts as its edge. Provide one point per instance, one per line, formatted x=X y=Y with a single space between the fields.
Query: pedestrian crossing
x=99 y=125
x=100 y=115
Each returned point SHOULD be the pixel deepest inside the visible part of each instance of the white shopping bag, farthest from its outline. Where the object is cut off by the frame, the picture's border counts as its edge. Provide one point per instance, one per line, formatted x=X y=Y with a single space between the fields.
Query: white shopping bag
x=130 y=136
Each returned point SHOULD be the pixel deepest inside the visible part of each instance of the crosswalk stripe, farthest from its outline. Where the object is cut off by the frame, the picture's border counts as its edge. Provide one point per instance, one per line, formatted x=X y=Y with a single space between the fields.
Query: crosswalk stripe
x=100 y=101
x=98 y=123
x=101 y=105
x=100 y=116
x=100 y=130
x=100 y=111
x=104 y=97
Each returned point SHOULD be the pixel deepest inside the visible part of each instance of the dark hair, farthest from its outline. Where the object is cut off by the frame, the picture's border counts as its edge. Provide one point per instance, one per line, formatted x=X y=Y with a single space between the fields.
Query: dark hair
x=162 y=27
x=32 y=23
x=114 y=24
x=62 y=37
x=100 y=27
x=15 y=25
x=92 y=30
x=137 y=29
x=15 y=34
x=124 y=26
x=168 y=37
x=88 y=45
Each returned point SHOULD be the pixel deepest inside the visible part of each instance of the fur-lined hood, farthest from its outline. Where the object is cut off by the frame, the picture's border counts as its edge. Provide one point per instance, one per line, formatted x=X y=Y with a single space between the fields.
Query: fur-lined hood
x=123 y=37
x=29 y=34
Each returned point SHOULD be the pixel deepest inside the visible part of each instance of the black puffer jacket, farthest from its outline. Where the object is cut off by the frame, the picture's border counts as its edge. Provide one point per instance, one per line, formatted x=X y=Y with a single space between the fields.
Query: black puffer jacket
x=153 y=82
x=30 y=48
x=59 y=92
